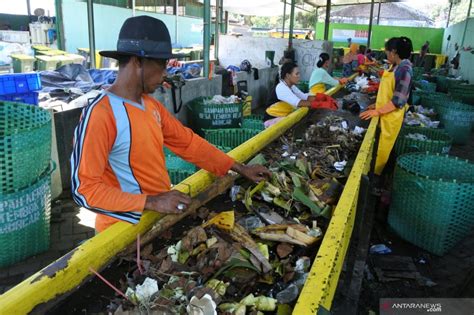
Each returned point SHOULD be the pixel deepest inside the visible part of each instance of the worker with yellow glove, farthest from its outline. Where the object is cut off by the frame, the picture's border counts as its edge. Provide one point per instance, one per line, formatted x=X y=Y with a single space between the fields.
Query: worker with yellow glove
x=286 y=97
x=320 y=76
x=392 y=97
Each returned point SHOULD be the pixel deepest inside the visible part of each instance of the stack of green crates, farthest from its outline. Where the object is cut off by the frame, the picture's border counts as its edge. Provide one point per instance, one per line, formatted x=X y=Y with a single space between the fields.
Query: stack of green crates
x=25 y=181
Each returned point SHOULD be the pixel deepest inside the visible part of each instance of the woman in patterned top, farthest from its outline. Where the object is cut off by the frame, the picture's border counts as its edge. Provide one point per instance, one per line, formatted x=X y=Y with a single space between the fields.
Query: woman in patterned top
x=392 y=97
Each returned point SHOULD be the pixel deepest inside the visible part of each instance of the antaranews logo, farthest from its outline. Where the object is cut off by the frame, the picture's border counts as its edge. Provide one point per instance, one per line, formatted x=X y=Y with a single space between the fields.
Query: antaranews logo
x=415 y=306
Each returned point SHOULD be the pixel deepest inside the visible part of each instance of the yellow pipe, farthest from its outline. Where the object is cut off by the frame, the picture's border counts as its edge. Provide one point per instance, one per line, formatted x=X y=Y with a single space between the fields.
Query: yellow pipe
x=323 y=277
x=68 y=272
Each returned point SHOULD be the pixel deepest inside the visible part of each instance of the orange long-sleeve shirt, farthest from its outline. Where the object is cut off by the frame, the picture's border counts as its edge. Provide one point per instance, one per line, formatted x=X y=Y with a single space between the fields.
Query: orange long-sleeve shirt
x=118 y=156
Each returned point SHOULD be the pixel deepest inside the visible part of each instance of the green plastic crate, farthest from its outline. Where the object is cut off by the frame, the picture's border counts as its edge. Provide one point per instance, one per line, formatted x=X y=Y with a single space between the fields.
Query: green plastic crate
x=177 y=176
x=463 y=93
x=253 y=124
x=458 y=119
x=24 y=228
x=433 y=200
x=426 y=86
x=438 y=141
x=255 y=117
x=418 y=73
x=204 y=115
x=230 y=138
x=433 y=99
x=224 y=149
x=25 y=145
x=177 y=163
x=442 y=84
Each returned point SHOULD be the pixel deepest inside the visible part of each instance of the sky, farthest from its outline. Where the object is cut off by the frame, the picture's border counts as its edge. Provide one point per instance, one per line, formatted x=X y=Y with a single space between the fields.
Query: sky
x=19 y=6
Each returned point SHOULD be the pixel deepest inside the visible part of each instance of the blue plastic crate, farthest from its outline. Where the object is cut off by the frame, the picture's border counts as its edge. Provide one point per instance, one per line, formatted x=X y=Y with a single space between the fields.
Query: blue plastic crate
x=27 y=98
x=19 y=83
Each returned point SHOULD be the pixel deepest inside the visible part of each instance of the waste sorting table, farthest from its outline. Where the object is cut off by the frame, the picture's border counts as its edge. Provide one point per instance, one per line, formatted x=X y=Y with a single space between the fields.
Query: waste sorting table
x=55 y=282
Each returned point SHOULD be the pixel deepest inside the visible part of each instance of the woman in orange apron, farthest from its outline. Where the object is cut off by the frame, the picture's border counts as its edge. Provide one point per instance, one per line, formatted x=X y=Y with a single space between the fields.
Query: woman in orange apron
x=392 y=97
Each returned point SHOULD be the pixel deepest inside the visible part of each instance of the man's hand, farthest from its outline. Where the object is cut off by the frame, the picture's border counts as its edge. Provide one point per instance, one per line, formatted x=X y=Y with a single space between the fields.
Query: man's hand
x=368 y=114
x=168 y=202
x=255 y=173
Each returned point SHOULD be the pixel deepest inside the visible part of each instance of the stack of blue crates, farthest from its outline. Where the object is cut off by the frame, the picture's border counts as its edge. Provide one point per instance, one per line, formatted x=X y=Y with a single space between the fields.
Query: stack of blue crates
x=20 y=87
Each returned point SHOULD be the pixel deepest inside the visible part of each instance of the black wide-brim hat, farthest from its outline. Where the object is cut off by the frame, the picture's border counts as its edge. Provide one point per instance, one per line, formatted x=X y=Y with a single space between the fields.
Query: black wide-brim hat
x=143 y=36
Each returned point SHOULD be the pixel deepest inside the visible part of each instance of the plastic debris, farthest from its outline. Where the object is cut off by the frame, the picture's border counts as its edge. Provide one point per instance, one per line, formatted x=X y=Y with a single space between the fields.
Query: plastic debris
x=288 y=295
x=174 y=250
x=251 y=223
x=417 y=119
x=340 y=165
x=219 y=99
x=417 y=136
x=380 y=249
x=358 y=130
x=143 y=292
x=202 y=306
x=236 y=193
x=302 y=265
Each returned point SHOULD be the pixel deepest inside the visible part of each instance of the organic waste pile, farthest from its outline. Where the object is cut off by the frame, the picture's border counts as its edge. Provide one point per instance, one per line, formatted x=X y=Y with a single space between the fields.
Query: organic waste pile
x=253 y=256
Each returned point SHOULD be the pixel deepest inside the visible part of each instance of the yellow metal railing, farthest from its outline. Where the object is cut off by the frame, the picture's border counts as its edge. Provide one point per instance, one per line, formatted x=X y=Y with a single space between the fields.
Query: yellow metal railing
x=68 y=272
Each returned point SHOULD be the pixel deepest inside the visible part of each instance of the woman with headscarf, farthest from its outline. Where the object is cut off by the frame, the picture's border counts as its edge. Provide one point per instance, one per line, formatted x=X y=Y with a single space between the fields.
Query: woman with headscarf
x=350 y=60
x=320 y=76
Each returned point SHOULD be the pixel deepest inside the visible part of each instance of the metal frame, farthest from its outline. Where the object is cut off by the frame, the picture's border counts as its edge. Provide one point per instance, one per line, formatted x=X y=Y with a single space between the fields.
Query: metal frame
x=206 y=36
x=371 y=20
x=91 y=30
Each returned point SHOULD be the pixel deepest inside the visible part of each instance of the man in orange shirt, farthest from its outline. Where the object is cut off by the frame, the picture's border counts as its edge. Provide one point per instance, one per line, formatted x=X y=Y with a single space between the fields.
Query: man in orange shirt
x=118 y=163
